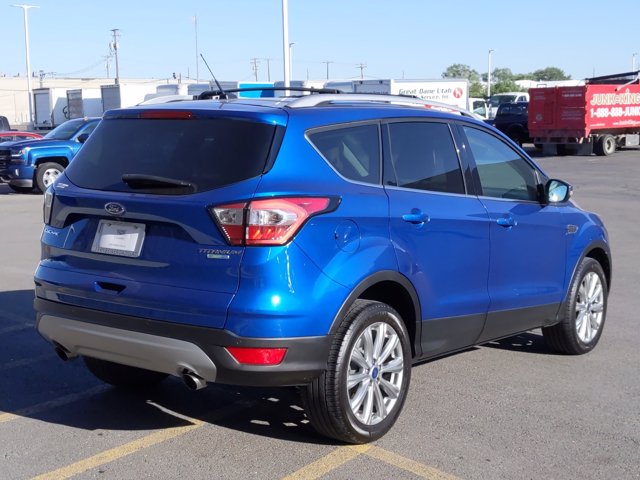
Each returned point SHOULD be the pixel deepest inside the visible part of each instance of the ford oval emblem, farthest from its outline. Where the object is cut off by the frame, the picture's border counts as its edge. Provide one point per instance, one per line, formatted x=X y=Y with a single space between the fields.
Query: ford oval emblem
x=114 y=208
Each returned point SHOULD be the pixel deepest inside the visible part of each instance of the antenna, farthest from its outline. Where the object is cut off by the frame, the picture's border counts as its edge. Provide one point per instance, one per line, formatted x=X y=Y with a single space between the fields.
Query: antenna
x=223 y=94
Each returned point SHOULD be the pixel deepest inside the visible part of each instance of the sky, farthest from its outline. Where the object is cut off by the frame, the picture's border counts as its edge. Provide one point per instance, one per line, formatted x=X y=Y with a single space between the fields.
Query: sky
x=413 y=39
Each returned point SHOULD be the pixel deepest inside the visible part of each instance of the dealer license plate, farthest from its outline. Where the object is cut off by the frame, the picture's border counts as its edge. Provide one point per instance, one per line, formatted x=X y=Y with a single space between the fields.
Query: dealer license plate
x=119 y=238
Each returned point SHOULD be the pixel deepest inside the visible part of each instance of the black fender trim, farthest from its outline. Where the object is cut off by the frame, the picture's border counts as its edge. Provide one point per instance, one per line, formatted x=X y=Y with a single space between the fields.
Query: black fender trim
x=378 y=277
x=585 y=253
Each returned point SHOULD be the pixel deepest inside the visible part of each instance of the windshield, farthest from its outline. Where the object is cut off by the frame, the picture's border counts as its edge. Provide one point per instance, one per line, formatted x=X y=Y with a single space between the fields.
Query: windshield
x=135 y=154
x=66 y=130
x=499 y=99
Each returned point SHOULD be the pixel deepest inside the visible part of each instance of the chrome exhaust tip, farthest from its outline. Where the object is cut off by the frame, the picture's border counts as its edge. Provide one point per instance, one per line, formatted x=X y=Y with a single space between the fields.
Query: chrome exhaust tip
x=64 y=354
x=193 y=381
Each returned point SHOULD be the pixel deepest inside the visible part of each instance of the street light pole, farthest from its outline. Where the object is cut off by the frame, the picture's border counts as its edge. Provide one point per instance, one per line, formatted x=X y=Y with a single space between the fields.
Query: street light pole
x=291 y=60
x=489 y=75
x=26 y=46
x=116 y=34
x=286 y=46
x=633 y=62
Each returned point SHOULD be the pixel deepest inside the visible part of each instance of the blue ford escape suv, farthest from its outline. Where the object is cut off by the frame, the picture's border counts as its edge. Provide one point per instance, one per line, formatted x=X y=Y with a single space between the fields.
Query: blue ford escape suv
x=325 y=241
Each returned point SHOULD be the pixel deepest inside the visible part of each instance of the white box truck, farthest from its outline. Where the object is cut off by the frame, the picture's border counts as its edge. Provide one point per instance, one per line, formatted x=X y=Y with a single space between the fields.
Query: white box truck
x=449 y=91
x=84 y=102
x=125 y=95
x=50 y=107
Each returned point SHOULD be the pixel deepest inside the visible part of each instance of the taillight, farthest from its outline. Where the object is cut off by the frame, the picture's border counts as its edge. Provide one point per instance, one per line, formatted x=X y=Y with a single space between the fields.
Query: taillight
x=271 y=221
x=47 y=206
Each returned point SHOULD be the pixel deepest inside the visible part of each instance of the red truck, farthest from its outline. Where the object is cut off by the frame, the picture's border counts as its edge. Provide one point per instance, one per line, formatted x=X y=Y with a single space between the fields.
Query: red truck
x=599 y=116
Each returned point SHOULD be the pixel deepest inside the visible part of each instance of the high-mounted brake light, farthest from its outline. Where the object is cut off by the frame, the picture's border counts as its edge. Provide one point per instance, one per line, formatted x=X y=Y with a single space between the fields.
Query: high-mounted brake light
x=257 y=356
x=272 y=221
x=167 y=114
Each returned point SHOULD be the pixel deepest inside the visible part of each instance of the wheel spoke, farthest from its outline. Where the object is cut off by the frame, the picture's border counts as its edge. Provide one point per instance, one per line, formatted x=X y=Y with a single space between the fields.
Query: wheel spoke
x=367 y=339
x=381 y=333
x=596 y=293
x=392 y=342
x=389 y=388
x=357 y=357
x=581 y=325
x=356 y=378
x=367 y=409
x=381 y=408
x=394 y=366
x=358 y=397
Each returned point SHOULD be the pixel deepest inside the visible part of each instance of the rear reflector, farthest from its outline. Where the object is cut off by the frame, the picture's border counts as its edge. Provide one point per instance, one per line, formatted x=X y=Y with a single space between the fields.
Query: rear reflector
x=257 y=356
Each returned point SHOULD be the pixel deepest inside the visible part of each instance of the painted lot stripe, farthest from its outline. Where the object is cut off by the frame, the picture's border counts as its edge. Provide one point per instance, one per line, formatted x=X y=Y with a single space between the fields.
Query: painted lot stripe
x=326 y=464
x=140 y=444
x=408 y=465
x=342 y=455
x=56 y=402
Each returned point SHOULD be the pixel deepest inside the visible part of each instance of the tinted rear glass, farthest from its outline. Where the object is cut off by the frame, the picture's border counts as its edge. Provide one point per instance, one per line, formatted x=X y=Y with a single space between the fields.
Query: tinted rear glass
x=207 y=153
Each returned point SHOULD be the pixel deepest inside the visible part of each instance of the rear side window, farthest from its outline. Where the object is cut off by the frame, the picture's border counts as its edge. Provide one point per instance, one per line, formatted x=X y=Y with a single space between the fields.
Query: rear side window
x=353 y=151
x=424 y=157
x=206 y=153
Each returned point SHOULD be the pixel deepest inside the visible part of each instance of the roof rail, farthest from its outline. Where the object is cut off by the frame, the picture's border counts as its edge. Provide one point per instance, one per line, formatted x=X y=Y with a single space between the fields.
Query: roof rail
x=209 y=94
x=318 y=100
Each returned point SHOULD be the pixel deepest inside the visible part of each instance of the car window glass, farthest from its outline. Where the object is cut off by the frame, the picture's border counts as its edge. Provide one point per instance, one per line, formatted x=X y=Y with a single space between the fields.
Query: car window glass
x=503 y=172
x=89 y=128
x=424 y=157
x=353 y=151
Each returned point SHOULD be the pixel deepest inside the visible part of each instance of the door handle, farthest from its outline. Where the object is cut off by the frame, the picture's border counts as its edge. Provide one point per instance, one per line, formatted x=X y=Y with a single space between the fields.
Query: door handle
x=417 y=217
x=506 y=222
x=107 y=287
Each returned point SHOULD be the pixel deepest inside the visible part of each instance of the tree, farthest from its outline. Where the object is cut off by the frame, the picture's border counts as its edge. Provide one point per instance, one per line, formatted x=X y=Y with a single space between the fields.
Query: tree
x=549 y=74
x=458 y=70
x=505 y=86
x=477 y=90
x=502 y=75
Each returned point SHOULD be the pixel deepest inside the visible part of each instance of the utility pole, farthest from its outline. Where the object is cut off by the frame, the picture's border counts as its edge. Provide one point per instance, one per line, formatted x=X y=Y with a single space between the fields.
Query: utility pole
x=26 y=45
x=361 y=66
x=489 y=74
x=254 y=66
x=633 y=62
x=268 y=60
x=114 y=48
x=327 y=62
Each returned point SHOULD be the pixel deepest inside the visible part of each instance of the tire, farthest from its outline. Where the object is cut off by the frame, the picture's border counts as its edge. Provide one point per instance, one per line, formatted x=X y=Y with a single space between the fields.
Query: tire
x=377 y=384
x=584 y=314
x=47 y=173
x=606 y=145
x=122 y=375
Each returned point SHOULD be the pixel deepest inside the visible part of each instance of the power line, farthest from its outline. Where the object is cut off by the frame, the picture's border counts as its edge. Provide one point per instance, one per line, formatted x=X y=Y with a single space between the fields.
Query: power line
x=254 y=66
x=361 y=66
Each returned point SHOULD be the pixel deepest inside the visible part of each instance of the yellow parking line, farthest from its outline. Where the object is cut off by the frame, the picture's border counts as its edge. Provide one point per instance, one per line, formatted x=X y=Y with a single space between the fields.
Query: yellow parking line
x=408 y=465
x=56 y=402
x=118 y=452
x=139 y=444
x=329 y=462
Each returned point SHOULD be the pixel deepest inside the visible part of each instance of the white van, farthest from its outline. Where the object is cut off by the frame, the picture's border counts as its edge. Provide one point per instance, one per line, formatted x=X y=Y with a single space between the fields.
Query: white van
x=507 y=97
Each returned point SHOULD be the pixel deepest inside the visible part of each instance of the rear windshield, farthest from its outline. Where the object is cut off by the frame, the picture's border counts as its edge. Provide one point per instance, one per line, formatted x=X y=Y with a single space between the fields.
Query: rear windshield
x=204 y=153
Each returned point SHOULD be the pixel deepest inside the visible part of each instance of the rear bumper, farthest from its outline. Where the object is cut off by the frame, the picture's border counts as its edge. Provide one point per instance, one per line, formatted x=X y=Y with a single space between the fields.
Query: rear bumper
x=172 y=347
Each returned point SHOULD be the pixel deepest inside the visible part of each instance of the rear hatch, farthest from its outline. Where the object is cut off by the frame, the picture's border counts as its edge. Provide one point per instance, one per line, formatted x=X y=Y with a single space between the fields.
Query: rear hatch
x=131 y=227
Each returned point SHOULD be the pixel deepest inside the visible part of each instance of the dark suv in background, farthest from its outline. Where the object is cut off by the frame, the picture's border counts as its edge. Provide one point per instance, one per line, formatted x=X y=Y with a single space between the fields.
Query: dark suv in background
x=327 y=242
x=513 y=120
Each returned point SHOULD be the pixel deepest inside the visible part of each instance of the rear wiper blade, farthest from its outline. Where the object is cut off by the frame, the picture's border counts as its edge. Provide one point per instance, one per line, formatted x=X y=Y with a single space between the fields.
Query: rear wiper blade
x=137 y=180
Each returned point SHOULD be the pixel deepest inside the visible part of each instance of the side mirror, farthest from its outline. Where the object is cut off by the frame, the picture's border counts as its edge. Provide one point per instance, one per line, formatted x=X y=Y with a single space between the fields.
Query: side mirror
x=83 y=137
x=557 y=191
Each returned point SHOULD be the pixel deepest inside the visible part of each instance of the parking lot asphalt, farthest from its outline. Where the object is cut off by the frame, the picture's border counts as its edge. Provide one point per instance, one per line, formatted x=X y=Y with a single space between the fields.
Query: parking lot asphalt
x=506 y=410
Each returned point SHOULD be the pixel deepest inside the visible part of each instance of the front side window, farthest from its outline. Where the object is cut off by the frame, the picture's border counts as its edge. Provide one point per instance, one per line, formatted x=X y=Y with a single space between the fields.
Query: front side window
x=353 y=151
x=503 y=172
x=424 y=157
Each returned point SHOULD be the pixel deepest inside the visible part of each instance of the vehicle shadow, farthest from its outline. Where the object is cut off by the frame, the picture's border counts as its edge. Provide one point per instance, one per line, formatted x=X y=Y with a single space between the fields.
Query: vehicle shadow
x=527 y=342
x=35 y=383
